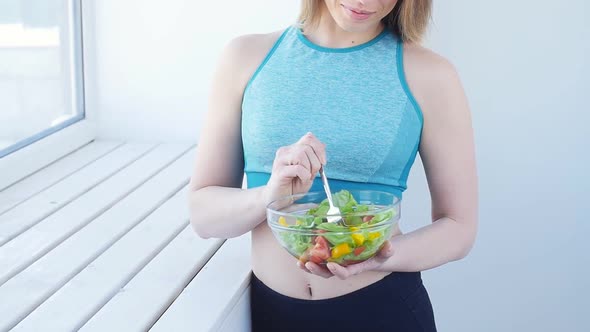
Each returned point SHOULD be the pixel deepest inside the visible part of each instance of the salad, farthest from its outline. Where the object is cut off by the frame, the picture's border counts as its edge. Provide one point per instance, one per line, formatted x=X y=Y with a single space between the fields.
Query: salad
x=361 y=236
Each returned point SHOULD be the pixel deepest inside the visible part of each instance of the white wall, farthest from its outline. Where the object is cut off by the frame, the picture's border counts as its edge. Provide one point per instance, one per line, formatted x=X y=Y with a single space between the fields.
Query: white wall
x=525 y=67
x=154 y=60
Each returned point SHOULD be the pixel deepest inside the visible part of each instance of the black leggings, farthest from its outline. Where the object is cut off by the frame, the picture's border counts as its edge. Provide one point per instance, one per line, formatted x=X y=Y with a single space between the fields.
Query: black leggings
x=398 y=302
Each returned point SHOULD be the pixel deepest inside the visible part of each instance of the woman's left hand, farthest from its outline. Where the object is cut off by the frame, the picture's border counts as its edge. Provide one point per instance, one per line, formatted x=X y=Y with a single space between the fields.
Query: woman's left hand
x=333 y=269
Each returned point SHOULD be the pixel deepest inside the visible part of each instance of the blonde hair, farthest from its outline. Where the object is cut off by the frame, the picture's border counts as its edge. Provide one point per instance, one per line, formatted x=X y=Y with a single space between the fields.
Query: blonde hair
x=409 y=19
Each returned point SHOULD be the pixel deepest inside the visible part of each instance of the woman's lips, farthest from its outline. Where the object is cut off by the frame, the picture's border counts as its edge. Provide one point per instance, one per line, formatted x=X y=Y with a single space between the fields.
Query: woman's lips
x=357 y=14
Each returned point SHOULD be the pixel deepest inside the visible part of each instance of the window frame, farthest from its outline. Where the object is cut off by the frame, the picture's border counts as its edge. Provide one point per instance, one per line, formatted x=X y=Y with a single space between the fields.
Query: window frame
x=33 y=153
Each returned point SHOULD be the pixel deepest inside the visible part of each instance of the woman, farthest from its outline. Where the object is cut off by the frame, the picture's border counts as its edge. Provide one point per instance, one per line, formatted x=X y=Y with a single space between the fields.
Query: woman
x=351 y=85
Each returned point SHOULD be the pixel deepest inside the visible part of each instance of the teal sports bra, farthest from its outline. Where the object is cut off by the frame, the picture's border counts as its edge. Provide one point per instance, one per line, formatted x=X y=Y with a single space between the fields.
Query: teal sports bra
x=355 y=99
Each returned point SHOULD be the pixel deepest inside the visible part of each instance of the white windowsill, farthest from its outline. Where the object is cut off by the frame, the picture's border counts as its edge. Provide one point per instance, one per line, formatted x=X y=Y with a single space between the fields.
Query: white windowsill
x=34 y=157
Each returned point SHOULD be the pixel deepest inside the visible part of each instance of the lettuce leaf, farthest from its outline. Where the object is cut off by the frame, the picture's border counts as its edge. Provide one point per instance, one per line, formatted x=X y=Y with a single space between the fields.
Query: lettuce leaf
x=297 y=243
x=383 y=216
x=344 y=200
x=333 y=234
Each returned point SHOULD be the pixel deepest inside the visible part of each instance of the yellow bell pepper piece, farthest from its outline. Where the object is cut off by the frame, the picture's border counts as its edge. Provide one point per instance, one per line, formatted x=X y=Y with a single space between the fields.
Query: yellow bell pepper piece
x=374 y=235
x=358 y=239
x=341 y=250
x=283 y=222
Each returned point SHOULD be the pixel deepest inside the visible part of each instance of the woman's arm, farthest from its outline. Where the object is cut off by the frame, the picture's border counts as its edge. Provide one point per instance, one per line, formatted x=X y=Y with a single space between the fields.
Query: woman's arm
x=215 y=195
x=448 y=154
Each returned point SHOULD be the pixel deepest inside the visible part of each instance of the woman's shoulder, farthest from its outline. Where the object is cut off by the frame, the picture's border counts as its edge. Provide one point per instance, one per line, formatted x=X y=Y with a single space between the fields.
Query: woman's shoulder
x=425 y=64
x=430 y=76
x=253 y=45
x=246 y=52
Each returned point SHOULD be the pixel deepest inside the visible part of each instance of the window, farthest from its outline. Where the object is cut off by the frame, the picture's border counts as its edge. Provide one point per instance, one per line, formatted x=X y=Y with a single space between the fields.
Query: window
x=41 y=86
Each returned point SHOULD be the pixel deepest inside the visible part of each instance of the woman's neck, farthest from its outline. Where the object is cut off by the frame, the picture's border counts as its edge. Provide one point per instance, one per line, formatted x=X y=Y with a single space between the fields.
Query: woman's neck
x=328 y=33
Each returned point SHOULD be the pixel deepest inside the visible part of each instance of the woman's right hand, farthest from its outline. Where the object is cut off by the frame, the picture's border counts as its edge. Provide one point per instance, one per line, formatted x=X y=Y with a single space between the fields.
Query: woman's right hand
x=295 y=167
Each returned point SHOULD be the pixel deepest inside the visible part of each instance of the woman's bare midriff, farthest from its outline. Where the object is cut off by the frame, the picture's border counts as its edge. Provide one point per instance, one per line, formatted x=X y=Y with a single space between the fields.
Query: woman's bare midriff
x=274 y=266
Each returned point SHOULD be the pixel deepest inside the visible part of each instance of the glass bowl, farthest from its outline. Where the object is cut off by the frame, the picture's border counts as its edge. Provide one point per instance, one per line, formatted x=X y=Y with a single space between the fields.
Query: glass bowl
x=299 y=223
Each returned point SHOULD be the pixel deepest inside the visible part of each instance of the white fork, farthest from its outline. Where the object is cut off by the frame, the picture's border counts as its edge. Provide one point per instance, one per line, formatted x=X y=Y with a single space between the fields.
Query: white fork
x=333 y=211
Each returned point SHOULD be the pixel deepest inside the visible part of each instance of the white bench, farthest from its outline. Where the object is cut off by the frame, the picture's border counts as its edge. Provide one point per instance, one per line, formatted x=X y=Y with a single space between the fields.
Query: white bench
x=100 y=241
